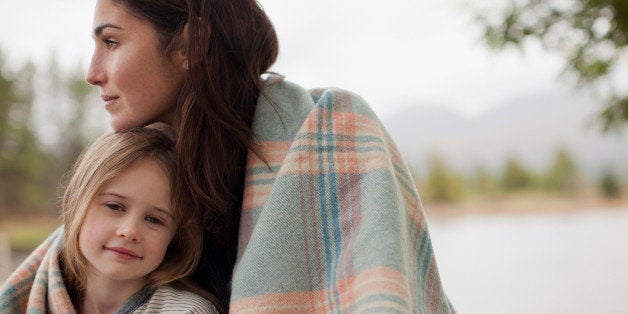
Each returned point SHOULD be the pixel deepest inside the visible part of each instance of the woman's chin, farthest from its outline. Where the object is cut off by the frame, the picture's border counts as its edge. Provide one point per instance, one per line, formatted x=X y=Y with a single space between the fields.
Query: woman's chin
x=121 y=125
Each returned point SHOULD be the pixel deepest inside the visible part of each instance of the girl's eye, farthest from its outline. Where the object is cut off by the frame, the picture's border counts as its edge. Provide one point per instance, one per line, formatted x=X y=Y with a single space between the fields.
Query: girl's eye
x=114 y=206
x=154 y=220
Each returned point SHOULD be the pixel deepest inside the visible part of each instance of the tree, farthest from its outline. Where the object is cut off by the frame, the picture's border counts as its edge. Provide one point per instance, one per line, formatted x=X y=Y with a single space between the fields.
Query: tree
x=563 y=175
x=591 y=34
x=483 y=181
x=23 y=164
x=442 y=184
x=67 y=105
x=30 y=171
x=515 y=176
x=74 y=132
x=610 y=184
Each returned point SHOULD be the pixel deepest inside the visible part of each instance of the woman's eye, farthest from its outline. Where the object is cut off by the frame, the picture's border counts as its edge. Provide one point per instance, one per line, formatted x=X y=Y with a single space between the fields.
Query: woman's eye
x=114 y=206
x=110 y=43
x=154 y=220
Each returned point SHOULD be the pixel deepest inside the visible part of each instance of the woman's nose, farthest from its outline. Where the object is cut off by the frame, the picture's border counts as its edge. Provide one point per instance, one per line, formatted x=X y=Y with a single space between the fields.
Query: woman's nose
x=95 y=74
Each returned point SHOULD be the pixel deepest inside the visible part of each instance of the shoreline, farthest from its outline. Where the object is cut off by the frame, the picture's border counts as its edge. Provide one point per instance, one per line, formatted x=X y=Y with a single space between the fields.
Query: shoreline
x=525 y=203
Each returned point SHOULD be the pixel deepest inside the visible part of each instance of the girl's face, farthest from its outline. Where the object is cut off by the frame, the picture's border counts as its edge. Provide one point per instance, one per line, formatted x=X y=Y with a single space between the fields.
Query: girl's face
x=138 y=82
x=128 y=225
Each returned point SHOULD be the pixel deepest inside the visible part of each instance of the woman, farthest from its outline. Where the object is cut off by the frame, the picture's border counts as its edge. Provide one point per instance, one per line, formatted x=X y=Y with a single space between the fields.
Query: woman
x=304 y=189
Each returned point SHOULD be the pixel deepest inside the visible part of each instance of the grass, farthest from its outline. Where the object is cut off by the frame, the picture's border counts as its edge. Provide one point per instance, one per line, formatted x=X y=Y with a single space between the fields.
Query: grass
x=525 y=202
x=26 y=233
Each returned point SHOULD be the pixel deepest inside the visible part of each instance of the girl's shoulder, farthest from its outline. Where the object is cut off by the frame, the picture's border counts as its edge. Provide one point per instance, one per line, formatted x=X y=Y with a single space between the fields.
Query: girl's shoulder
x=168 y=299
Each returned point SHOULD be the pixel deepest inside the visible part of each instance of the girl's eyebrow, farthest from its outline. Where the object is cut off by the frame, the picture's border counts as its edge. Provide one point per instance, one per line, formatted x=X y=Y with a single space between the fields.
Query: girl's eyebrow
x=98 y=29
x=112 y=194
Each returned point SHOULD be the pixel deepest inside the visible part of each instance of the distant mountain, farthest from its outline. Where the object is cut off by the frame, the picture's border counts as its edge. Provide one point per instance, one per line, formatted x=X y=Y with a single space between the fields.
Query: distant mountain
x=530 y=128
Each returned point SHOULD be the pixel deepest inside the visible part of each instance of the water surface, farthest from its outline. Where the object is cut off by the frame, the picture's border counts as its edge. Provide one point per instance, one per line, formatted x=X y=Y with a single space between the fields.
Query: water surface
x=541 y=263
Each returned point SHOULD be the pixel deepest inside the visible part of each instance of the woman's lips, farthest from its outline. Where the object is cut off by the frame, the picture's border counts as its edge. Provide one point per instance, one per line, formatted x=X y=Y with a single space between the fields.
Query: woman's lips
x=110 y=101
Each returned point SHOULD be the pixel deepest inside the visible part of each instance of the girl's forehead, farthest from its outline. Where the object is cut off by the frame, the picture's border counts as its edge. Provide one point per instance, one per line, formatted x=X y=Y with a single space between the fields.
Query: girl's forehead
x=146 y=178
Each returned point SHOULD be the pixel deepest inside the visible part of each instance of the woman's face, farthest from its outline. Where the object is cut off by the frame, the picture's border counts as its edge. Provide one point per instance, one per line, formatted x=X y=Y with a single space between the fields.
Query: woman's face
x=138 y=82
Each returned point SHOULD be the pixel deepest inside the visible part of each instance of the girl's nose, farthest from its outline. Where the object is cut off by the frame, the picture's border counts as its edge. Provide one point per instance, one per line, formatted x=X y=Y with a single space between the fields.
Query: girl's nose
x=129 y=229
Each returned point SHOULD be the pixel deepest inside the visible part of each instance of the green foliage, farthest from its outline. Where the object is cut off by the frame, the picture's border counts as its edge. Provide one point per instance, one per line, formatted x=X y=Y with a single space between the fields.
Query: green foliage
x=442 y=184
x=25 y=233
x=563 y=175
x=7 y=97
x=615 y=112
x=23 y=164
x=28 y=237
x=74 y=131
x=610 y=184
x=30 y=171
x=515 y=176
x=483 y=182
x=591 y=35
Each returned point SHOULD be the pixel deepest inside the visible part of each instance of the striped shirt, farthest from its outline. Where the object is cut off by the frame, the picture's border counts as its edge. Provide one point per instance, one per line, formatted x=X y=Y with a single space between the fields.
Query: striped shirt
x=167 y=299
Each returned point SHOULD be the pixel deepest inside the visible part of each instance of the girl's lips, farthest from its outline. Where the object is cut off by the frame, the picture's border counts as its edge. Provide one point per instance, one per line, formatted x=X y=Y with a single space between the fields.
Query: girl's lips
x=123 y=253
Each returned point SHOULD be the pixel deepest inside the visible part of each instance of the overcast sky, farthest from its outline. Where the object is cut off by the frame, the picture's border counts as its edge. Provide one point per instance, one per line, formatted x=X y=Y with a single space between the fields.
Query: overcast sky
x=403 y=52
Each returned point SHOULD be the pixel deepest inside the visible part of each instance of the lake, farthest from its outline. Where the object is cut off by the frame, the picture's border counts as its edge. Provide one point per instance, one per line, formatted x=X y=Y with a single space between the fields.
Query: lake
x=548 y=263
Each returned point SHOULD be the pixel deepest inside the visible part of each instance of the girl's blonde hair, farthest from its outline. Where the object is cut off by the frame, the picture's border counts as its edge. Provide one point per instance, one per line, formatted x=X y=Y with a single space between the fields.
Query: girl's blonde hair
x=105 y=159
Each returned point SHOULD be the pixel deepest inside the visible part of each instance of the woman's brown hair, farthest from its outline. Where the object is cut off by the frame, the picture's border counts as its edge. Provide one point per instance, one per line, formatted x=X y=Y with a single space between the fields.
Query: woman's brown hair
x=229 y=44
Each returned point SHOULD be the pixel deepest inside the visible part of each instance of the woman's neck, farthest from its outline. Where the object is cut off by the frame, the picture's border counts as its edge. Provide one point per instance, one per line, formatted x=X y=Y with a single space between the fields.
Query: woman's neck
x=103 y=295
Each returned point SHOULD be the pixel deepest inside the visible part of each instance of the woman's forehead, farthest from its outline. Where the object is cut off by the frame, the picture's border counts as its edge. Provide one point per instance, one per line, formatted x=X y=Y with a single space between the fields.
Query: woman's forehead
x=114 y=13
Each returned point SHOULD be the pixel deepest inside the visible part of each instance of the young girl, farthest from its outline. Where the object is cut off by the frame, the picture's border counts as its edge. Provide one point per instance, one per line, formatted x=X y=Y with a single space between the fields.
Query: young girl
x=127 y=242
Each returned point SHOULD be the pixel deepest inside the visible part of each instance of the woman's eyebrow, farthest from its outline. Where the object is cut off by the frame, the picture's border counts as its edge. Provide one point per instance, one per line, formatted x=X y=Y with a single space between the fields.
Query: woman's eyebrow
x=98 y=29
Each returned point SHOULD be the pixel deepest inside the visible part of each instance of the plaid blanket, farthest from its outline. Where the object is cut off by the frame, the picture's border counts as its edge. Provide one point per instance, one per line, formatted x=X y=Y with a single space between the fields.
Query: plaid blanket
x=37 y=286
x=331 y=220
